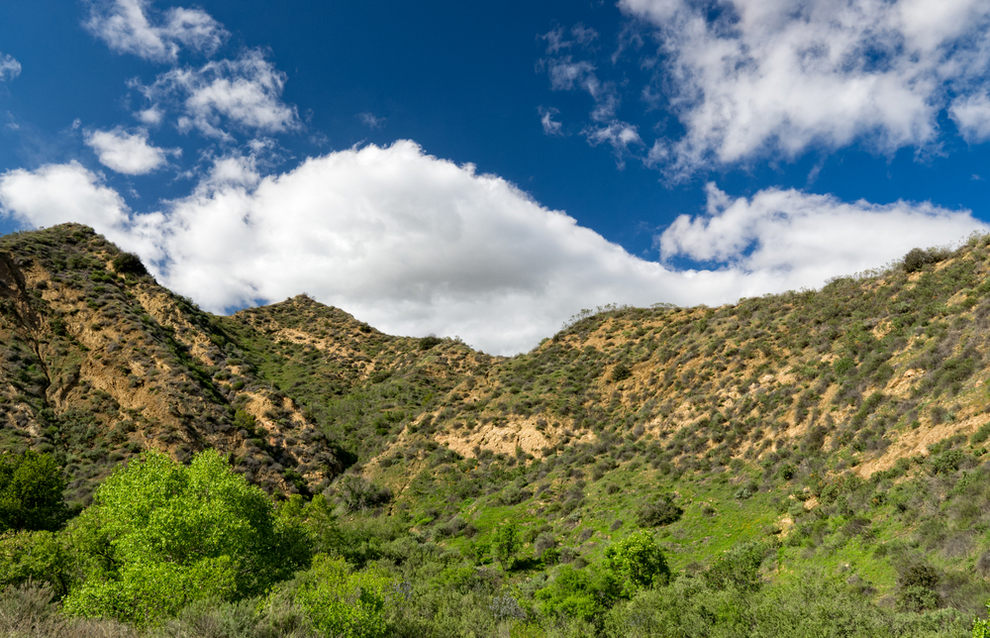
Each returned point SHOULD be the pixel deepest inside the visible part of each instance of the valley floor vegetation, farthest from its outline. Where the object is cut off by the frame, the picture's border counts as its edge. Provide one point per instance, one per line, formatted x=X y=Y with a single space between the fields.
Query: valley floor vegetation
x=167 y=549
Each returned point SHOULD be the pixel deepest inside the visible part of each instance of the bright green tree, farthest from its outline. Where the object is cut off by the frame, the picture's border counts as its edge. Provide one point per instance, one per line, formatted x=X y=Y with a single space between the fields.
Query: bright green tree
x=637 y=562
x=342 y=603
x=161 y=535
x=578 y=593
x=506 y=543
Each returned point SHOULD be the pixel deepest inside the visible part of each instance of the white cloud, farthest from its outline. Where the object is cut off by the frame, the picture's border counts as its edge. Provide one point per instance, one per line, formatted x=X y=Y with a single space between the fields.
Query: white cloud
x=972 y=115
x=57 y=193
x=415 y=244
x=803 y=238
x=245 y=92
x=567 y=74
x=753 y=76
x=231 y=171
x=126 y=27
x=128 y=153
x=559 y=40
x=151 y=116
x=9 y=67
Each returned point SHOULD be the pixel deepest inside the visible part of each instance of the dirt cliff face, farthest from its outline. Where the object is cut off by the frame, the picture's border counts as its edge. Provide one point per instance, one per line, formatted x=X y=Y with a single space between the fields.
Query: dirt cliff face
x=98 y=365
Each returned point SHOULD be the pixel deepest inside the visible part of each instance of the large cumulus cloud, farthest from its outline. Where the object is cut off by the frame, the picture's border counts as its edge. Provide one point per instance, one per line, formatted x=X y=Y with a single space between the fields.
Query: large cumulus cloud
x=415 y=244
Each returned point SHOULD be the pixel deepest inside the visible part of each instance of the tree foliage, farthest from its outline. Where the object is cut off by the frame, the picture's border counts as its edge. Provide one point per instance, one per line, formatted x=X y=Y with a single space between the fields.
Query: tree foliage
x=128 y=264
x=981 y=626
x=637 y=562
x=35 y=557
x=31 y=487
x=160 y=535
x=343 y=603
x=738 y=568
x=506 y=543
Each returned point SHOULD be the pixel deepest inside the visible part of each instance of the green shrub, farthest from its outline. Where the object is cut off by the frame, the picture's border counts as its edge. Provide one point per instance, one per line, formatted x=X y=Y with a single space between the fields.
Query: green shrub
x=505 y=544
x=918 y=258
x=428 y=342
x=35 y=557
x=981 y=626
x=342 y=603
x=738 y=568
x=128 y=264
x=946 y=462
x=578 y=593
x=981 y=434
x=355 y=493
x=620 y=372
x=663 y=511
x=917 y=584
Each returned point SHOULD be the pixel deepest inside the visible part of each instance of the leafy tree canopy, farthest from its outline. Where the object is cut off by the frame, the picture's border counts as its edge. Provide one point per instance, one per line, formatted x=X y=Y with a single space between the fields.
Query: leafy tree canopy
x=637 y=562
x=160 y=535
x=31 y=487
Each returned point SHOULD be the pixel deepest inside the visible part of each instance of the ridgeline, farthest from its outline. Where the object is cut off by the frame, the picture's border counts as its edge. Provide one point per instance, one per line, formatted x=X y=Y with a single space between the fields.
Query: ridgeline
x=812 y=463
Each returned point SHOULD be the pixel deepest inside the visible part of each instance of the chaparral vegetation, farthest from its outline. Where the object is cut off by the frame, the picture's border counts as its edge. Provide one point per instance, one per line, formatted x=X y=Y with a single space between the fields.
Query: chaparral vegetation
x=806 y=464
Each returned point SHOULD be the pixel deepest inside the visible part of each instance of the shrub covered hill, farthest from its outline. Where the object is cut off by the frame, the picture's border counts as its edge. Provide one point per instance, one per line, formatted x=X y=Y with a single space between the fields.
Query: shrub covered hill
x=98 y=362
x=823 y=450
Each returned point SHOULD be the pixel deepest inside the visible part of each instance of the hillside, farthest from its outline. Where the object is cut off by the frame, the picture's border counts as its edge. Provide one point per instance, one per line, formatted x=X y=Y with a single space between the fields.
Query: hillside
x=842 y=432
x=99 y=362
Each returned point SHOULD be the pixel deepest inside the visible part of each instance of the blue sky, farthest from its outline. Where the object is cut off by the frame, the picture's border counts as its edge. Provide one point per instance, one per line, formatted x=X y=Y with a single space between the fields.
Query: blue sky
x=486 y=170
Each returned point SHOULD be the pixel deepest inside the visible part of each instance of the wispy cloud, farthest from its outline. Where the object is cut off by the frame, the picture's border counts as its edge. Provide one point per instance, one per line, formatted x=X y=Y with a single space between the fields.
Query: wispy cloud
x=9 y=67
x=371 y=120
x=130 y=26
x=567 y=74
x=416 y=244
x=560 y=39
x=127 y=152
x=550 y=125
x=617 y=134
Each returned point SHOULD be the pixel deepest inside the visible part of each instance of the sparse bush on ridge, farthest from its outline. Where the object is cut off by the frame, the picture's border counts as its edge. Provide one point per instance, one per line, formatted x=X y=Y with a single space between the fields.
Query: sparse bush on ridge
x=128 y=264
x=918 y=258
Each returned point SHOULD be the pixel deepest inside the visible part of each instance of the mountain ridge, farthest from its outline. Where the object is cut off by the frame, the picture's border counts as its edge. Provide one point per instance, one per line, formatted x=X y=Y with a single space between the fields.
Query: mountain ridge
x=815 y=421
x=619 y=363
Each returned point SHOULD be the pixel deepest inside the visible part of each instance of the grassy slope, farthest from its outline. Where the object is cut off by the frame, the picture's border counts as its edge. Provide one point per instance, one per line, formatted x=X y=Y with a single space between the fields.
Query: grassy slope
x=803 y=419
